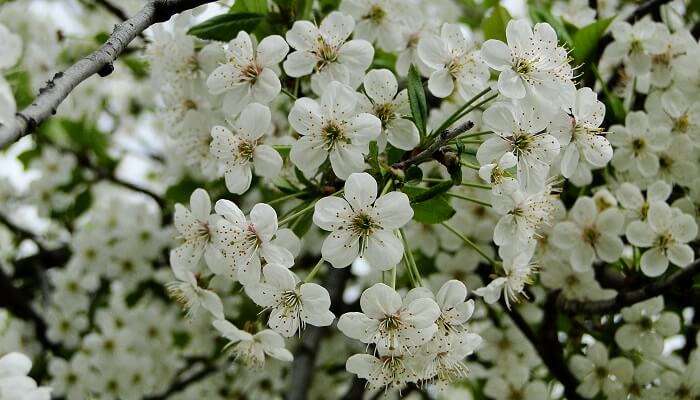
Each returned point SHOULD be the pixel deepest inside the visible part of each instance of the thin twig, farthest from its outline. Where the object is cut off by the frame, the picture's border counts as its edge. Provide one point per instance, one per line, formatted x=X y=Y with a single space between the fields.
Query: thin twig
x=99 y=62
x=441 y=140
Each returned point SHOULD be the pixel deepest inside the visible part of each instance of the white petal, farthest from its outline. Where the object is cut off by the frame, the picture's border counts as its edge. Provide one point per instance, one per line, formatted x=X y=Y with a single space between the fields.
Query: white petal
x=394 y=210
x=384 y=250
x=379 y=301
x=360 y=191
x=380 y=85
x=271 y=50
x=267 y=161
x=441 y=83
x=340 y=248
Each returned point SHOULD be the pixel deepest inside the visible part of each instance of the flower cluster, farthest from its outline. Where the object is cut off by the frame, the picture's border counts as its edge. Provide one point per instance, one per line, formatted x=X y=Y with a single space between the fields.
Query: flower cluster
x=460 y=201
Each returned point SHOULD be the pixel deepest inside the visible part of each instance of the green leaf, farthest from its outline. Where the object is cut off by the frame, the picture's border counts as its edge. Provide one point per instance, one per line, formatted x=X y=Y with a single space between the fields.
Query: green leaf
x=416 y=98
x=302 y=224
x=21 y=87
x=226 y=26
x=586 y=40
x=27 y=156
x=251 y=6
x=137 y=65
x=181 y=191
x=433 y=211
x=494 y=26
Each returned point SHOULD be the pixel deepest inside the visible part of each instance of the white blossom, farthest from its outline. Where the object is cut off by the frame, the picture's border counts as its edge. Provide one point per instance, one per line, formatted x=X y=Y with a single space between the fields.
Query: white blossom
x=249 y=73
x=362 y=224
x=242 y=149
x=332 y=129
x=291 y=305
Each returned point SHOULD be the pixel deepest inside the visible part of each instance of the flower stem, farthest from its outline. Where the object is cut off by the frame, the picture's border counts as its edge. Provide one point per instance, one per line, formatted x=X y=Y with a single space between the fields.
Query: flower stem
x=299 y=213
x=288 y=93
x=456 y=115
x=473 y=200
x=471 y=244
x=314 y=271
x=467 y=184
x=470 y=165
x=410 y=261
x=287 y=197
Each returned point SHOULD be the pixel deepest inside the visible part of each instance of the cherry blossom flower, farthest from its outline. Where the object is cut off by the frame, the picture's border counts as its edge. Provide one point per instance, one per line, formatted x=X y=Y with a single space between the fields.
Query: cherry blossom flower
x=242 y=149
x=579 y=134
x=362 y=224
x=666 y=233
x=245 y=243
x=395 y=325
x=196 y=229
x=326 y=52
x=249 y=73
x=517 y=272
x=455 y=62
x=590 y=234
x=253 y=348
x=637 y=144
x=376 y=20
x=383 y=101
x=332 y=129
x=531 y=64
x=15 y=382
x=291 y=305
x=646 y=326
x=383 y=371
x=519 y=131
x=186 y=291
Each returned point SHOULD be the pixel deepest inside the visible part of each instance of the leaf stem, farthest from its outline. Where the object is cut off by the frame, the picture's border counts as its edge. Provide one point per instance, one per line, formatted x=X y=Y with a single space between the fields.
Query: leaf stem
x=471 y=244
x=473 y=200
x=314 y=271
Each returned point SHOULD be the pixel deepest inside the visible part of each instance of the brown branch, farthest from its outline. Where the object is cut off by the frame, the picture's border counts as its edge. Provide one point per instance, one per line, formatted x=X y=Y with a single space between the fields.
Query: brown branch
x=99 y=62
x=181 y=384
x=114 y=10
x=429 y=152
x=627 y=298
x=18 y=304
x=548 y=346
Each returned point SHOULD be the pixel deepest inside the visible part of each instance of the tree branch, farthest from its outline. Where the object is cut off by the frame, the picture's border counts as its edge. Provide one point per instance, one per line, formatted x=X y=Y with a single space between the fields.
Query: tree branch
x=427 y=154
x=623 y=299
x=182 y=384
x=548 y=346
x=98 y=62
x=17 y=303
x=114 y=10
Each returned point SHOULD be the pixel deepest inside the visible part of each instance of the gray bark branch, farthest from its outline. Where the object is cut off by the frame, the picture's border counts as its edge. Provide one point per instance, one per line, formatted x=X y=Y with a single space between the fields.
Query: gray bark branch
x=627 y=298
x=99 y=62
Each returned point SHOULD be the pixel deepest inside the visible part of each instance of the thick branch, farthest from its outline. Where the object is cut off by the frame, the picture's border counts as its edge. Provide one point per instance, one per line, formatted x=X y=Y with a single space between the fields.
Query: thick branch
x=548 y=346
x=623 y=299
x=427 y=154
x=18 y=304
x=181 y=384
x=99 y=62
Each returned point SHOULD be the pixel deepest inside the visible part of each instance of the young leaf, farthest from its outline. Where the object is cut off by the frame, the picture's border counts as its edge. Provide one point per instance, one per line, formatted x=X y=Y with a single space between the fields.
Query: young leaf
x=226 y=26
x=586 y=39
x=432 y=211
x=416 y=98
x=494 y=26
x=251 y=6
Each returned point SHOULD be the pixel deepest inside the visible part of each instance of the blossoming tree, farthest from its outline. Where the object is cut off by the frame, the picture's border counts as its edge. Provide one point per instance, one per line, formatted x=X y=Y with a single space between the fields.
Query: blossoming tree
x=349 y=199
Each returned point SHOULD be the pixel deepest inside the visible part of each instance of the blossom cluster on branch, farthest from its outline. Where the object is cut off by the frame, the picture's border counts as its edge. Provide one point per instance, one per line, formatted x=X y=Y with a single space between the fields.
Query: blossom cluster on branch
x=346 y=199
